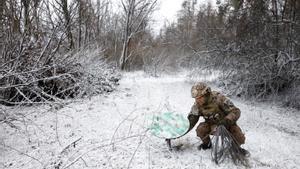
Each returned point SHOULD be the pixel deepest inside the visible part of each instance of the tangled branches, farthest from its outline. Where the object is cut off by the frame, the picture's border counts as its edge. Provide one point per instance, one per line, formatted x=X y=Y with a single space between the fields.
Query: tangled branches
x=30 y=75
x=225 y=146
x=263 y=75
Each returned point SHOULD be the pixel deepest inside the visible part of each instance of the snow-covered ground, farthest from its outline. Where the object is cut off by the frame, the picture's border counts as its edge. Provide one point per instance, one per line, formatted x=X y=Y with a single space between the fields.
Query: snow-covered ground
x=110 y=131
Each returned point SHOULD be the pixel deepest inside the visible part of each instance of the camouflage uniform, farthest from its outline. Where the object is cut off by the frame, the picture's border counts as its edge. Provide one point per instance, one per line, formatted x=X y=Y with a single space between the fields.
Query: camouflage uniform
x=215 y=109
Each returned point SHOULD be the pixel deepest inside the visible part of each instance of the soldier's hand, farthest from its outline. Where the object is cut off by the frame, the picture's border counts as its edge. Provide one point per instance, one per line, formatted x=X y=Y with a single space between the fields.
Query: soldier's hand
x=225 y=122
x=193 y=119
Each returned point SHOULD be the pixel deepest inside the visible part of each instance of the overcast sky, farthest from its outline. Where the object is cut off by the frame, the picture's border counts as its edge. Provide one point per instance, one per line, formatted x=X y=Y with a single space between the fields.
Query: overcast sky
x=168 y=10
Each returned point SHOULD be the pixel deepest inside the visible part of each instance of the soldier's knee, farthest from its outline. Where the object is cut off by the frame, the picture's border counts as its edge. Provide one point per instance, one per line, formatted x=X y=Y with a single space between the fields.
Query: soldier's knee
x=238 y=134
x=241 y=138
x=202 y=130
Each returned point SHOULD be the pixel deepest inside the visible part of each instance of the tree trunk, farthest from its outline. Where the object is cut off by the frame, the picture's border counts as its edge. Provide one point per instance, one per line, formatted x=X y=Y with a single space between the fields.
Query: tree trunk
x=276 y=39
x=79 y=22
x=64 y=5
x=2 y=5
x=36 y=19
x=26 y=16
x=127 y=33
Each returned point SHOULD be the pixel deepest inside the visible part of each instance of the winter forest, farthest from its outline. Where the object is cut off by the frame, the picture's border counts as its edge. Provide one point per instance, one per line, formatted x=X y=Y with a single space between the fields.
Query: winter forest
x=80 y=79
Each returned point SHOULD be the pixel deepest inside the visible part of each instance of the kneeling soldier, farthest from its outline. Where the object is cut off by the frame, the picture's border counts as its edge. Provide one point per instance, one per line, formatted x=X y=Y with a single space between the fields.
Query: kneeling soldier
x=216 y=109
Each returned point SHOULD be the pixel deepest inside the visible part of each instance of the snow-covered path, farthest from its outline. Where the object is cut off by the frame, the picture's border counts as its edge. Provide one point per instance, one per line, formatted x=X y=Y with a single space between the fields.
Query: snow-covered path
x=111 y=132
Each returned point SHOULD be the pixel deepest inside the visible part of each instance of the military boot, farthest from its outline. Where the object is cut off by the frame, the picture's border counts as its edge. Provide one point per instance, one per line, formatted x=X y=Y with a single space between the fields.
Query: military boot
x=204 y=146
x=245 y=152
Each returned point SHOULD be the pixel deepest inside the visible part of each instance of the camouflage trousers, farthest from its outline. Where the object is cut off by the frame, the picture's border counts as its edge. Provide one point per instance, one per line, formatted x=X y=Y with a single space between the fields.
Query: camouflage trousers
x=205 y=129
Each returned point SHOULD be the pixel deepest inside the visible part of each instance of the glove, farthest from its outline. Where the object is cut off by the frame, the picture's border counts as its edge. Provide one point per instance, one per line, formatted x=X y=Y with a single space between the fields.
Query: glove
x=225 y=122
x=193 y=119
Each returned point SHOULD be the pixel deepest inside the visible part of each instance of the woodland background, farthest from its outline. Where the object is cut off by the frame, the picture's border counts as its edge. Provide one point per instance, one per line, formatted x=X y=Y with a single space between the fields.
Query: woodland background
x=54 y=50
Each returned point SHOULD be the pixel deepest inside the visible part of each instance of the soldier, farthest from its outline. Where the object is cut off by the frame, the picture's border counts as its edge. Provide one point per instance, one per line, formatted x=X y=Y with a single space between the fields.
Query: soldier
x=216 y=109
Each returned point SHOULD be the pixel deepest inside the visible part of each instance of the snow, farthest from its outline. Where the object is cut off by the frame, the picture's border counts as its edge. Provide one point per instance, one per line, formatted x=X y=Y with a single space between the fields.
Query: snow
x=110 y=131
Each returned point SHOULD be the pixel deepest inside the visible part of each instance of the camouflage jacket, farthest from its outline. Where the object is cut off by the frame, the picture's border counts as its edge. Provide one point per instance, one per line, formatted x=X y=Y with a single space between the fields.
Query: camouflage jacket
x=216 y=109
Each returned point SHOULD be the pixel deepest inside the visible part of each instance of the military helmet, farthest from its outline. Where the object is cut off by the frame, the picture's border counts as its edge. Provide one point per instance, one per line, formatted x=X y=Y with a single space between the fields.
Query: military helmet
x=200 y=89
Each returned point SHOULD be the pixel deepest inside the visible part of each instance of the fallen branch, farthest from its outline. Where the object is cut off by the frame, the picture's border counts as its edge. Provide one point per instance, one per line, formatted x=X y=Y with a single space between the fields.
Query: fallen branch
x=224 y=146
x=99 y=147
x=22 y=153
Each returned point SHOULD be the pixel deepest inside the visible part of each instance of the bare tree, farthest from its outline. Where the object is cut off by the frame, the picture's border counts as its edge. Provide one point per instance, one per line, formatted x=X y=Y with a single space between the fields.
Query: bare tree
x=63 y=5
x=80 y=12
x=136 y=16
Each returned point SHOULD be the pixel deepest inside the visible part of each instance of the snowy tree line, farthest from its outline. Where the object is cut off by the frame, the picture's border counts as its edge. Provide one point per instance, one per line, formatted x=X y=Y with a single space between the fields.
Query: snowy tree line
x=45 y=45
x=254 y=43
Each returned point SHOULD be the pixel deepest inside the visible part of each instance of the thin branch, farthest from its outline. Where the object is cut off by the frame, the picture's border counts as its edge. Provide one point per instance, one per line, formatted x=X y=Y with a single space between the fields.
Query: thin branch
x=22 y=153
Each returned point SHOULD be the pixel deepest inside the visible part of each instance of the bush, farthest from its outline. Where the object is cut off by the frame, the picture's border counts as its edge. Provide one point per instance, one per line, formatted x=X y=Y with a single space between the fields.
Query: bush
x=30 y=79
x=291 y=97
